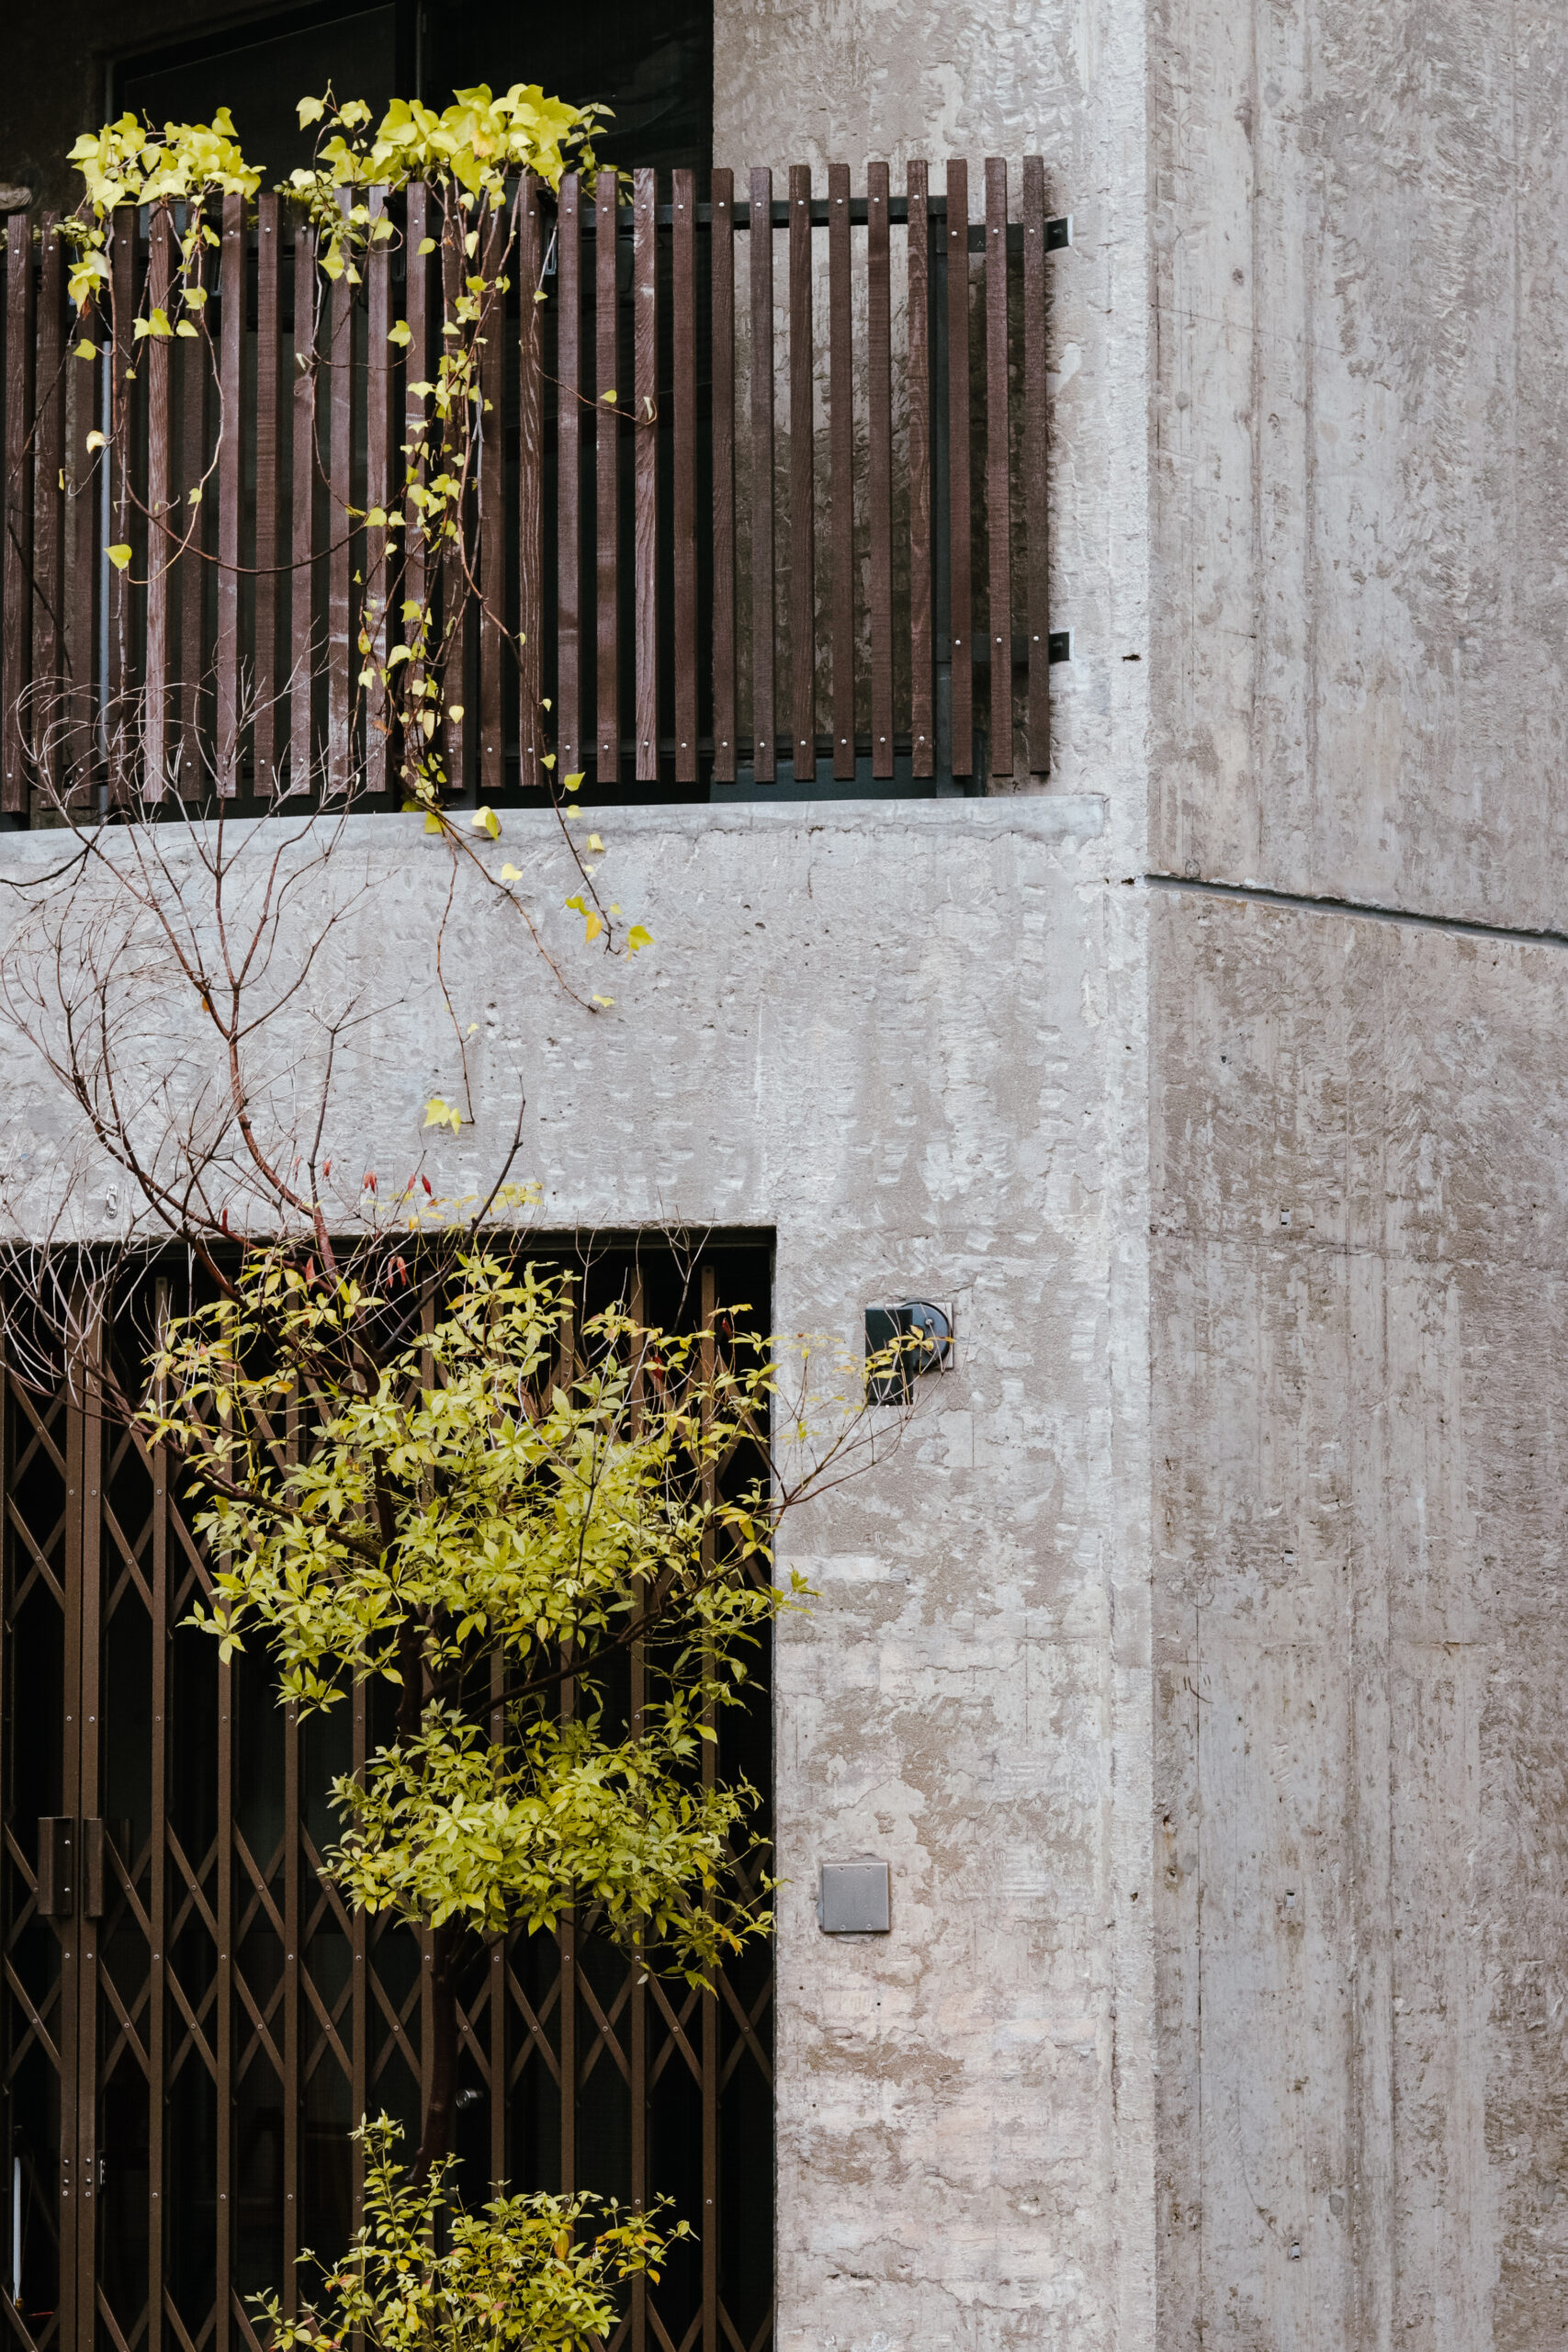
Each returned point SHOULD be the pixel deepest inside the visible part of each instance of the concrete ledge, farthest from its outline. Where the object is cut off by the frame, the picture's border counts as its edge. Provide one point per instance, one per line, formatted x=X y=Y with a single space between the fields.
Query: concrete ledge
x=1066 y=816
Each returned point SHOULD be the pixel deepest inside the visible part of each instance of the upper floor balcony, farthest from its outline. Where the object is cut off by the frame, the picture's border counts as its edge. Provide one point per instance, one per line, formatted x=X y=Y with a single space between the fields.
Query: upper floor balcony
x=754 y=499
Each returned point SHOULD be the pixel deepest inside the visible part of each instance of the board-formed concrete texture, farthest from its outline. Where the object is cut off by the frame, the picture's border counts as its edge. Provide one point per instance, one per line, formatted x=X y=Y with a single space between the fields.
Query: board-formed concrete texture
x=1360 y=1422
x=1359 y=421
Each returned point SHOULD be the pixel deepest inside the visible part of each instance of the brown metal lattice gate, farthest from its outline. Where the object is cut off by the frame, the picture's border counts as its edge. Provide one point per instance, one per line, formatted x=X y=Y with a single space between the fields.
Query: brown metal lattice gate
x=192 y=2020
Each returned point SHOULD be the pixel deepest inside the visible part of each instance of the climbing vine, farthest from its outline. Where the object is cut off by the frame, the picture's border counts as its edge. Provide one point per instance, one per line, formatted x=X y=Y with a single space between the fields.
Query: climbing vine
x=471 y=160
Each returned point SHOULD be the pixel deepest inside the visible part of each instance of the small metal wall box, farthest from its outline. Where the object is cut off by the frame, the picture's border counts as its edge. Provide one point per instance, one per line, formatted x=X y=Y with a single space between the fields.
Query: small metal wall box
x=909 y=1339
x=854 y=1899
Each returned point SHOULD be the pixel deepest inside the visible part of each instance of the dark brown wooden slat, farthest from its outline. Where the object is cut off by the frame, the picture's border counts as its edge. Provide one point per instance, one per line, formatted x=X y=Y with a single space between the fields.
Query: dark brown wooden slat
x=569 y=480
x=1036 y=456
x=48 y=496
x=190 y=518
x=266 y=729
x=721 y=261
x=683 y=389
x=801 y=482
x=608 y=502
x=841 y=424
x=158 y=732
x=879 y=463
x=231 y=490
x=123 y=528
x=15 y=568
x=379 y=440
x=762 y=614
x=999 y=511
x=455 y=601
x=961 y=596
x=342 y=539
x=922 y=725
x=83 y=385
x=491 y=647
x=422 y=219
x=530 y=492
x=644 y=458
x=302 y=571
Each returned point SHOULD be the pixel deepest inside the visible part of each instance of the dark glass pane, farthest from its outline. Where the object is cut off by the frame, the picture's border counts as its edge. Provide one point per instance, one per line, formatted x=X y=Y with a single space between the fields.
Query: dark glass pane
x=261 y=74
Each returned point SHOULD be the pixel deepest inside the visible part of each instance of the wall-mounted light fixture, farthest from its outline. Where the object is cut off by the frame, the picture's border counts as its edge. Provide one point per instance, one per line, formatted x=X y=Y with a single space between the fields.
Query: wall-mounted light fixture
x=901 y=1342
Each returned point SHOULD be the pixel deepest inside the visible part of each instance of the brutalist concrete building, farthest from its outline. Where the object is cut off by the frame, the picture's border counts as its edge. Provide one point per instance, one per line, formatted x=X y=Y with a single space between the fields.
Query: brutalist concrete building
x=1141 y=940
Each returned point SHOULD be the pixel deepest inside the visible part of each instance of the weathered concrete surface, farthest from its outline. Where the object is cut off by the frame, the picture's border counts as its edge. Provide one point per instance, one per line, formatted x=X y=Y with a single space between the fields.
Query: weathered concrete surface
x=1359 y=1365
x=910 y=1042
x=1360 y=494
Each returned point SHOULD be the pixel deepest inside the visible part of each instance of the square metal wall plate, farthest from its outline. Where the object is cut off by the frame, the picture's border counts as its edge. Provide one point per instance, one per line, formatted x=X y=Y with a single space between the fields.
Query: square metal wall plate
x=854 y=1899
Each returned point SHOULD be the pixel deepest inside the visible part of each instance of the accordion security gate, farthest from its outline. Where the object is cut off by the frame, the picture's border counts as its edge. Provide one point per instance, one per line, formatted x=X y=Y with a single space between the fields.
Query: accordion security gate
x=751 y=509
x=193 y=2021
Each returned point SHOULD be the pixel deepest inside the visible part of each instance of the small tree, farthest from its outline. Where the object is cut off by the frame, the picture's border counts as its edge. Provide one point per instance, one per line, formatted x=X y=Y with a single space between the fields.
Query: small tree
x=495 y=1500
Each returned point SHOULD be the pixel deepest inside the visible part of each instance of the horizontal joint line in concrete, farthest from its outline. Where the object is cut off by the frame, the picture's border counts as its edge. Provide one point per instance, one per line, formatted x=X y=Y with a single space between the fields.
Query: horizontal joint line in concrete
x=1250 y=895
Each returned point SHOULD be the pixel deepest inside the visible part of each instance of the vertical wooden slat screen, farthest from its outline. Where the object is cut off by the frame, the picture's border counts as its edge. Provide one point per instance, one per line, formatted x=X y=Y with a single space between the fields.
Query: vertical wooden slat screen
x=48 y=487
x=722 y=286
x=159 y=667
x=1036 y=510
x=302 y=573
x=645 y=463
x=879 y=464
x=607 y=503
x=683 y=451
x=762 y=612
x=922 y=637
x=530 y=491
x=379 y=443
x=190 y=516
x=230 y=489
x=961 y=758
x=802 y=481
x=491 y=649
x=841 y=425
x=999 y=516
x=266 y=744
x=16 y=586
x=569 y=477
x=253 y=578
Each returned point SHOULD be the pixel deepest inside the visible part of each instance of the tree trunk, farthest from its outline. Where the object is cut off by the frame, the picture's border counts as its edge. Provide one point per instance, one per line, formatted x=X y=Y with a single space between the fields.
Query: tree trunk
x=441 y=2114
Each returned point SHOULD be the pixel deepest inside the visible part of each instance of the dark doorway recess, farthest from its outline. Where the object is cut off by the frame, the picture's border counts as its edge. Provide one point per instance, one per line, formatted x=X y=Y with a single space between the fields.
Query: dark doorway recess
x=190 y=2021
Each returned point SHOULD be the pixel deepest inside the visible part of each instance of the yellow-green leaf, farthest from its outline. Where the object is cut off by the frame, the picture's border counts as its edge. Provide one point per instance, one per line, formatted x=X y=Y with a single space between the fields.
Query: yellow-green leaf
x=638 y=937
x=119 y=556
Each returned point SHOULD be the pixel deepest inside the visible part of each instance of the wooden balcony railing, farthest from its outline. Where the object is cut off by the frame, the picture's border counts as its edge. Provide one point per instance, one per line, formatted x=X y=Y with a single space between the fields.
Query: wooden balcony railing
x=804 y=547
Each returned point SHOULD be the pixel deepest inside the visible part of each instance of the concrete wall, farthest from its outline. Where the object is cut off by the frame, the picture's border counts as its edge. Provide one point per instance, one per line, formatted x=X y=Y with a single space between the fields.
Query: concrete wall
x=1360 y=1411
x=1359 y=239
x=910 y=1041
